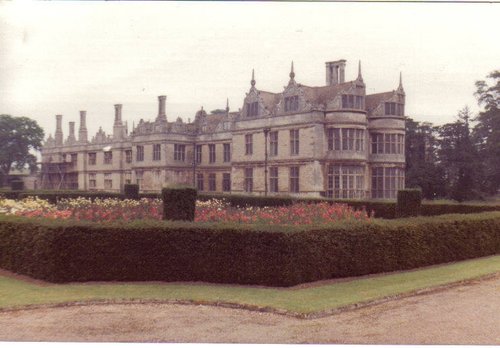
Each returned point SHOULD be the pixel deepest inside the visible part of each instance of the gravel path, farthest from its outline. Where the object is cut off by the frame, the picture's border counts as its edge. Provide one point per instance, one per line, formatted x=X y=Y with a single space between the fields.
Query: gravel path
x=466 y=314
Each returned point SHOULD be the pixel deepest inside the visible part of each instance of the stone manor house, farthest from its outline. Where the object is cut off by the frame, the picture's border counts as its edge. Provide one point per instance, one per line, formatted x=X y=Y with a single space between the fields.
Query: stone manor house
x=333 y=140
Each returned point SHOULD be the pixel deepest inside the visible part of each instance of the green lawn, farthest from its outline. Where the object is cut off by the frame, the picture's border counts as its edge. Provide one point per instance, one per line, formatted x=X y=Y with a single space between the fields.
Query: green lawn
x=15 y=293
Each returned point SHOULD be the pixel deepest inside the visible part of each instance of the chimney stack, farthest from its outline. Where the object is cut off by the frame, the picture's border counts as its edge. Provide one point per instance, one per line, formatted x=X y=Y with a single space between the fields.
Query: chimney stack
x=161 y=107
x=118 y=114
x=119 y=130
x=335 y=72
x=71 y=136
x=59 y=134
x=82 y=132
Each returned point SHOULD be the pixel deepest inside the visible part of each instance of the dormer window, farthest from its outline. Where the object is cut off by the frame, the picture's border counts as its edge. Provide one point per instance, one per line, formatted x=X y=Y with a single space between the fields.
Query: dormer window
x=395 y=109
x=252 y=109
x=292 y=103
x=350 y=101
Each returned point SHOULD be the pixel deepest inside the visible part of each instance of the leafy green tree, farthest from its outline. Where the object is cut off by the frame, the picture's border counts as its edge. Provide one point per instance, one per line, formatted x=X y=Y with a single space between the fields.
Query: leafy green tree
x=459 y=158
x=422 y=166
x=486 y=133
x=18 y=136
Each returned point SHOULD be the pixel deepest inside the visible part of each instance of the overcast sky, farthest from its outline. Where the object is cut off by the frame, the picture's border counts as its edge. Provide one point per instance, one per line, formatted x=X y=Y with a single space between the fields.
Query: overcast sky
x=62 y=57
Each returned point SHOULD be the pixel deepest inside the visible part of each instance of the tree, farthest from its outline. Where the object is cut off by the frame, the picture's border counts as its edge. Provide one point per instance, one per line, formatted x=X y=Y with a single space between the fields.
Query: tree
x=459 y=158
x=486 y=133
x=18 y=136
x=422 y=166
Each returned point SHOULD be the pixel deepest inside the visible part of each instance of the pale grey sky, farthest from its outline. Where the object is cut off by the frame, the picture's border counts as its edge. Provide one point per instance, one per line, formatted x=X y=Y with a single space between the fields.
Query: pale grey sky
x=62 y=57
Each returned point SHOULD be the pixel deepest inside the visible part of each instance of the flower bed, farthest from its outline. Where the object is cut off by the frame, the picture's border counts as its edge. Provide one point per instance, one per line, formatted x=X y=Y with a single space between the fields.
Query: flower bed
x=110 y=210
x=296 y=214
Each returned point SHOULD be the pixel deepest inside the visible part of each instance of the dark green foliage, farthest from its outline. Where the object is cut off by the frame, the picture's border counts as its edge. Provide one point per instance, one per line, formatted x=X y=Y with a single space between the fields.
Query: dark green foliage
x=17 y=185
x=61 y=251
x=486 y=133
x=422 y=166
x=459 y=158
x=9 y=194
x=409 y=202
x=179 y=203
x=18 y=136
x=433 y=209
x=131 y=191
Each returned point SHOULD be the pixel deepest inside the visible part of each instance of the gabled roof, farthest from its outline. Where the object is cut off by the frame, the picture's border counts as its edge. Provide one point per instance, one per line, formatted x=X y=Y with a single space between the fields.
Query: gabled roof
x=373 y=100
x=269 y=99
x=324 y=94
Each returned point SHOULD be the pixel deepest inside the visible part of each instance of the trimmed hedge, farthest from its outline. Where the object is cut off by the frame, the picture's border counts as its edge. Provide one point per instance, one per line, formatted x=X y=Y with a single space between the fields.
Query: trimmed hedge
x=17 y=185
x=179 y=203
x=432 y=209
x=9 y=194
x=409 y=202
x=131 y=191
x=60 y=251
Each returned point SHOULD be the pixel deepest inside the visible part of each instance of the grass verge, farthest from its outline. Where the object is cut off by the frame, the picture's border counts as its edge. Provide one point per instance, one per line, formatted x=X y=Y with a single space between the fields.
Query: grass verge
x=301 y=300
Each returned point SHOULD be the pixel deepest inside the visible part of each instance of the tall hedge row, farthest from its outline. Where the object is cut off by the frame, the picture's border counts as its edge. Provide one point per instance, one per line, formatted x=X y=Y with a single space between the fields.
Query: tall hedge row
x=62 y=252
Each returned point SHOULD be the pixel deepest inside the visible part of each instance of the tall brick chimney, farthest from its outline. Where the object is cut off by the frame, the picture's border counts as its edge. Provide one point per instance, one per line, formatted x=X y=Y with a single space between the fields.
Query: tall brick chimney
x=119 y=131
x=118 y=114
x=71 y=136
x=82 y=131
x=335 y=72
x=161 y=108
x=58 y=134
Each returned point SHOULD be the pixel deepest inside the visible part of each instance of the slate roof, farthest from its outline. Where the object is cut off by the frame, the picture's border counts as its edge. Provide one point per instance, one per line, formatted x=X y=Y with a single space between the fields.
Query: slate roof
x=373 y=100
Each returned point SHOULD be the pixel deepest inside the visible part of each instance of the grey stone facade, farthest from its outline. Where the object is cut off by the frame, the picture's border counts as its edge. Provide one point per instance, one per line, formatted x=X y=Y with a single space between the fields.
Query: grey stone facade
x=331 y=140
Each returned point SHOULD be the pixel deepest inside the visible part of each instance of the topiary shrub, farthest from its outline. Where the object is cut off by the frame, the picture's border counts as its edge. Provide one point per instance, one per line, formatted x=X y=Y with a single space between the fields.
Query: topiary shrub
x=409 y=202
x=17 y=185
x=131 y=191
x=179 y=203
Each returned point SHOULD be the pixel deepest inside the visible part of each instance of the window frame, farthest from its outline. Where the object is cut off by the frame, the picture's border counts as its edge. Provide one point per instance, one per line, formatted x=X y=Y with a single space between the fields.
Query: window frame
x=294 y=179
x=248 y=144
x=156 y=152
x=180 y=152
x=294 y=142
x=199 y=182
x=139 y=155
x=226 y=182
x=274 y=179
x=211 y=153
x=92 y=180
x=108 y=181
x=198 y=151
x=128 y=156
x=92 y=158
x=273 y=143
x=108 y=157
x=227 y=152
x=248 y=179
x=212 y=182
